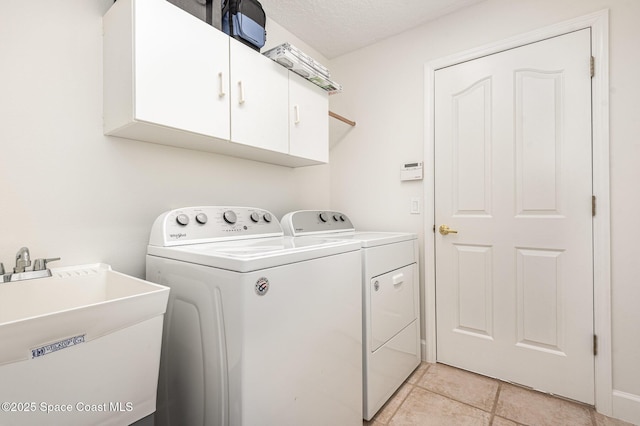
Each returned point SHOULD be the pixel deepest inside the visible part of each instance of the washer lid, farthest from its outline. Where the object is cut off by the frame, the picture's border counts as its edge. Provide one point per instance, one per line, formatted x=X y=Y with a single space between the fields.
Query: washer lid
x=254 y=254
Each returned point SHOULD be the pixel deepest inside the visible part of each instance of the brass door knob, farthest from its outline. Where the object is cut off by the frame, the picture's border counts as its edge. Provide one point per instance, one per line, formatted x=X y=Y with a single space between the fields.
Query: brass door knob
x=445 y=230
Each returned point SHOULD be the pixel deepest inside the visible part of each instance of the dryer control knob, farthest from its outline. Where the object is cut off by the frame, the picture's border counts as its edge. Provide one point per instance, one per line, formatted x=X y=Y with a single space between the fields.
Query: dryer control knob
x=336 y=217
x=201 y=218
x=182 y=219
x=229 y=217
x=255 y=217
x=323 y=217
x=267 y=217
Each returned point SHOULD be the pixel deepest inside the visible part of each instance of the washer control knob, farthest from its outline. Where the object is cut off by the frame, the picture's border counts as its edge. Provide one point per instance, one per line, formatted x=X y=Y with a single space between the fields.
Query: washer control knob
x=323 y=217
x=229 y=217
x=342 y=218
x=336 y=217
x=255 y=217
x=201 y=218
x=182 y=219
x=267 y=217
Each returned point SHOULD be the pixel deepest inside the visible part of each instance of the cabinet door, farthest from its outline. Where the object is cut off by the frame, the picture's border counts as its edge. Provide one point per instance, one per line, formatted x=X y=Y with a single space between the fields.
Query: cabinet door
x=259 y=99
x=308 y=119
x=181 y=70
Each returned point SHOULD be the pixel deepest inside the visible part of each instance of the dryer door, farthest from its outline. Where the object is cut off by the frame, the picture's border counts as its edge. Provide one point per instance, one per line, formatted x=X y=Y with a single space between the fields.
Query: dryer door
x=392 y=304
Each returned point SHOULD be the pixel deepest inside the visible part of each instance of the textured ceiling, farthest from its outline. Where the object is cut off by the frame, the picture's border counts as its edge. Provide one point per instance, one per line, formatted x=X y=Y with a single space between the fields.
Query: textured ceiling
x=336 y=27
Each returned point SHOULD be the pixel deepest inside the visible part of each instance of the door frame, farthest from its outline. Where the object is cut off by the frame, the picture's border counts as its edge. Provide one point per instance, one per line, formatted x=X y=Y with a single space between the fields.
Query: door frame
x=599 y=24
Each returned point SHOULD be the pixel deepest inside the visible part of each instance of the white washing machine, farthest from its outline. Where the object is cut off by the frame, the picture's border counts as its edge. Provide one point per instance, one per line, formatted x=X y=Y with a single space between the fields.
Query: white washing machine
x=391 y=306
x=260 y=328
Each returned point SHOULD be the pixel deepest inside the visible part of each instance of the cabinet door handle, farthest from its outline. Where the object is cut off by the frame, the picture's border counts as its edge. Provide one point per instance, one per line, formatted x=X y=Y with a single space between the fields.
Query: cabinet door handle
x=221 y=85
x=296 y=114
x=241 y=89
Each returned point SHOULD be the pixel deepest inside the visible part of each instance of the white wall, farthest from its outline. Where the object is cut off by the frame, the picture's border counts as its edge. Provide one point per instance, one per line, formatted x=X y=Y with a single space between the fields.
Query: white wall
x=67 y=190
x=383 y=92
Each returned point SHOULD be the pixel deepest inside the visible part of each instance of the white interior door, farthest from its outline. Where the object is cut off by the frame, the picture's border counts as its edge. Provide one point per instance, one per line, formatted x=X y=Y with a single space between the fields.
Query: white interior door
x=514 y=285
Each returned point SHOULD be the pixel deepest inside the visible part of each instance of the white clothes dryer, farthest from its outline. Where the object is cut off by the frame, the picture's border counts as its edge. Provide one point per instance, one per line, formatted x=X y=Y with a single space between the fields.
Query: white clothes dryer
x=391 y=305
x=261 y=328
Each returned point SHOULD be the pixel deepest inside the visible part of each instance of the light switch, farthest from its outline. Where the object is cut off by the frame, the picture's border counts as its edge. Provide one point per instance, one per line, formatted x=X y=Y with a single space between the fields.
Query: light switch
x=415 y=205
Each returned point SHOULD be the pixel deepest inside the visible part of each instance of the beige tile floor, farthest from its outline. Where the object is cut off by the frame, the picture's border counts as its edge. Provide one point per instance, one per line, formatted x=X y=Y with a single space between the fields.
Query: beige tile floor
x=436 y=394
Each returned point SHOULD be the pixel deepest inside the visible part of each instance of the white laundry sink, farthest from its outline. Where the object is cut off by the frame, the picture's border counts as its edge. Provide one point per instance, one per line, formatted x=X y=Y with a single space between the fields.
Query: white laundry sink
x=80 y=347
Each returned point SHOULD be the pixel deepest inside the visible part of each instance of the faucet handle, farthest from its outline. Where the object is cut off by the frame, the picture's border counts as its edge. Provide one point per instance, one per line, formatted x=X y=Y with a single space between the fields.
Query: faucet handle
x=41 y=264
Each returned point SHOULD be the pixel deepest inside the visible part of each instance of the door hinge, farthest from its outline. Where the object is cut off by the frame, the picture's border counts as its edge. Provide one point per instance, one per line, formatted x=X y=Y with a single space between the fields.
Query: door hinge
x=595 y=345
x=434 y=229
x=593 y=205
x=592 y=66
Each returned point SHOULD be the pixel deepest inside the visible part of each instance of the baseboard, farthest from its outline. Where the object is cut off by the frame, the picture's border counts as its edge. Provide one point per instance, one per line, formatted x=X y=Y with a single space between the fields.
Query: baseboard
x=427 y=356
x=626 y=406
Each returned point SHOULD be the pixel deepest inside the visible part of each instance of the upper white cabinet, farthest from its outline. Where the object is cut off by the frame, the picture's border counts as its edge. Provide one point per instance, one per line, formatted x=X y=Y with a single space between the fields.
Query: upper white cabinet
x=172 y=79
x=259 y=100
x=163 y=67
x=308 y=120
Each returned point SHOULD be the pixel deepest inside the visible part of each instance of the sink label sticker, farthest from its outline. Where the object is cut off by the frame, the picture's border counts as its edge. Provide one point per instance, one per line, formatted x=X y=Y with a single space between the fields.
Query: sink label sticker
x=54 y=347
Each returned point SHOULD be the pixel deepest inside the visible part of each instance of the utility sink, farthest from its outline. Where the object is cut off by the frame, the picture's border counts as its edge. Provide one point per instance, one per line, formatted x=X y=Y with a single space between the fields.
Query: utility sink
x=81 y=346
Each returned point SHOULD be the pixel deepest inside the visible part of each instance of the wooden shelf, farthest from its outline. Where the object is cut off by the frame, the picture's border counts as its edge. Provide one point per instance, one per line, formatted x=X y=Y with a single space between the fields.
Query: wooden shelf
x=341 y=118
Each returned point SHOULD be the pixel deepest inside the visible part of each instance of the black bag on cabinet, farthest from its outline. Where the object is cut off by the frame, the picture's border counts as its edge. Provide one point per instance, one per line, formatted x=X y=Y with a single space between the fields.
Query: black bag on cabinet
x=207 y=10
x=245 y=21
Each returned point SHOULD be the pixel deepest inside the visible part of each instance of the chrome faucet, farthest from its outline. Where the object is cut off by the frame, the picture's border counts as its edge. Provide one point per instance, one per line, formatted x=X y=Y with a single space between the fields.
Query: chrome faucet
x=23 y=260
x=20 y=271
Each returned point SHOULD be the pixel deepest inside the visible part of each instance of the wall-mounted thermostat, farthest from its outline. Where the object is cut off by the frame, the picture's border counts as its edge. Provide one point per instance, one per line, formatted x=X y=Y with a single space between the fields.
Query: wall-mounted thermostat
x=411 y=171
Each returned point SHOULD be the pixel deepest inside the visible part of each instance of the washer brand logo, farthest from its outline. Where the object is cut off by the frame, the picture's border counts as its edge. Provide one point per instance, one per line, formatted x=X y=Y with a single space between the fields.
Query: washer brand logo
x=177 y=236
x=262 y=286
